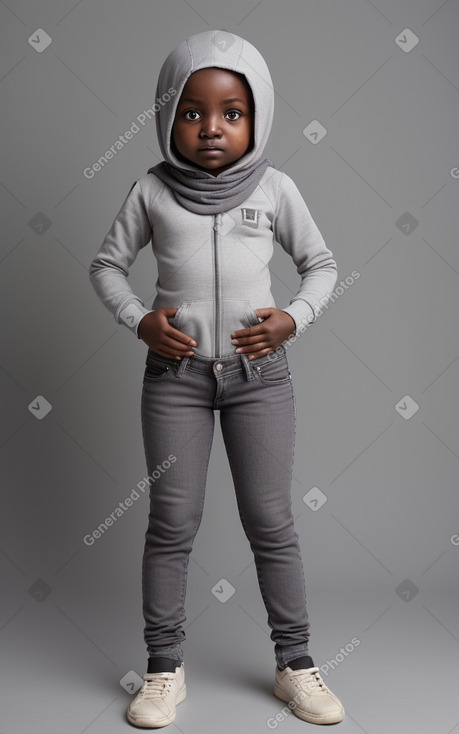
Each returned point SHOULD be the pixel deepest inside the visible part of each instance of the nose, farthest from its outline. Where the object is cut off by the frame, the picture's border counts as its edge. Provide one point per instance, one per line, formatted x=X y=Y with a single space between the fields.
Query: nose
x=210 y=127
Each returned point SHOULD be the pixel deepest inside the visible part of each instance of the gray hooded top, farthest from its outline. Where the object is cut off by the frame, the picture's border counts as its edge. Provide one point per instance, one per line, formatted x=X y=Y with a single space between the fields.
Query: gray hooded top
x=214 y=266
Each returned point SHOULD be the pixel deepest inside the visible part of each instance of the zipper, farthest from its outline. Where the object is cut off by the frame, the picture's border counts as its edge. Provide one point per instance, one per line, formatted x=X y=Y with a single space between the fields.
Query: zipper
x=216 y=226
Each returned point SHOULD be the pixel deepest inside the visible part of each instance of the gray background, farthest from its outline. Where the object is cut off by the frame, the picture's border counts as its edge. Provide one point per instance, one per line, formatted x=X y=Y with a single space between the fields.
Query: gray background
x=381 y=554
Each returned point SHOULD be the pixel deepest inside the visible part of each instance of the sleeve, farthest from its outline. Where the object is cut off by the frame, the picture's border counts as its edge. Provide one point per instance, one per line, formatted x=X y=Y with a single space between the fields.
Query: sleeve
x=298 y=234
x=108 y=271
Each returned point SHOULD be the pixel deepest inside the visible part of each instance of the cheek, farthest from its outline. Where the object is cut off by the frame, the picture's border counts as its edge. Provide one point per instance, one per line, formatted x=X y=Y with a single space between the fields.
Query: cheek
x=179 y=135
x=246 y=136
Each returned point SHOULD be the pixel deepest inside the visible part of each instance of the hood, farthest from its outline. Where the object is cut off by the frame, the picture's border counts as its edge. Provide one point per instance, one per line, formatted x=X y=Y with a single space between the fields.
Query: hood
x=226 y=51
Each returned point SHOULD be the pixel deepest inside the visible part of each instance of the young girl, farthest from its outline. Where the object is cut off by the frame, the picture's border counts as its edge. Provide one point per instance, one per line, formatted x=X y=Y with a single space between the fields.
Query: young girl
x=213 y=210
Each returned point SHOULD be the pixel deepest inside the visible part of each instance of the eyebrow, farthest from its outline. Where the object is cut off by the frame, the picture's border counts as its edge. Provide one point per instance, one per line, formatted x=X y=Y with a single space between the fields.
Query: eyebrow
x=224 y=101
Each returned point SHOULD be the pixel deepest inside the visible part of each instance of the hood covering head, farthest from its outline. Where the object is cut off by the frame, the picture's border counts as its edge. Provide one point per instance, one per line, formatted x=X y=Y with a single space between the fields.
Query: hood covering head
x=198 y=190
x=226 y=51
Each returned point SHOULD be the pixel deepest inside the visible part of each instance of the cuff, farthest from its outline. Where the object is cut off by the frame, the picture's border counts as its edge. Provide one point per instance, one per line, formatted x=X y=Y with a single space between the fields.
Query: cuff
x=131 y=316
x=302 y=314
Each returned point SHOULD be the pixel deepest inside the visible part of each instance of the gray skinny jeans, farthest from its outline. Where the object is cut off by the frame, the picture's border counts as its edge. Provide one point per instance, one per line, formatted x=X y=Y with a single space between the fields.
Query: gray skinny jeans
x=258 y=421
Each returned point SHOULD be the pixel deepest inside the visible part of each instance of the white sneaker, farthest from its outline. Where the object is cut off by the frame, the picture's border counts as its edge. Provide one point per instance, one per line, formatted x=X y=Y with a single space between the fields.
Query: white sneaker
x=154 y=705
x=311 y=699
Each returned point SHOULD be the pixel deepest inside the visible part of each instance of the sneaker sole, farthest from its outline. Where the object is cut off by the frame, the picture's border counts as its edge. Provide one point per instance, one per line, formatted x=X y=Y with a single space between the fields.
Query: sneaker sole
x=324 y=719
x=148 y=723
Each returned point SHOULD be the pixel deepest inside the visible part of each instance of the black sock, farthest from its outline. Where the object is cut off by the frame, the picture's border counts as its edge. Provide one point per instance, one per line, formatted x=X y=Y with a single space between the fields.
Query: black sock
x=162 y=665
x=305 y=661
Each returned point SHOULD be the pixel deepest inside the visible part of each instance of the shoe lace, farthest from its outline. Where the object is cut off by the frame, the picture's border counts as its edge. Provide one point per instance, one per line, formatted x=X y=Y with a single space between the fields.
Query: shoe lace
x=157 y=686
x=310 y=679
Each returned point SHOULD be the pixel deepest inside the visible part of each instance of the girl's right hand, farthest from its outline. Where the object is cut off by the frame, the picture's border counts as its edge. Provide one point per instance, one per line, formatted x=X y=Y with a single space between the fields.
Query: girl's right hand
x=155 y=330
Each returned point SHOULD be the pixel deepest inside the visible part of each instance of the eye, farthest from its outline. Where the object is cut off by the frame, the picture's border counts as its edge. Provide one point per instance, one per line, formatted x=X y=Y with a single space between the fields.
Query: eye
x=189 y=115
x=233 y=114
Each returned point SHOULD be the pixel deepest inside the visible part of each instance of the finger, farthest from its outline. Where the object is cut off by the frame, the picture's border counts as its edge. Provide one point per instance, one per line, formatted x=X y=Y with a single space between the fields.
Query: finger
x=179 y=336
x=251 y=348
x=244 y=341
x=177 y=347
x=240 y=333
x=262 y=353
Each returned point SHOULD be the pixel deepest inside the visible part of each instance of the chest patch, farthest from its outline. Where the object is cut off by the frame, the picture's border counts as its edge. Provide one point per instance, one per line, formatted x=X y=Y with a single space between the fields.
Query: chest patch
x=250 y=217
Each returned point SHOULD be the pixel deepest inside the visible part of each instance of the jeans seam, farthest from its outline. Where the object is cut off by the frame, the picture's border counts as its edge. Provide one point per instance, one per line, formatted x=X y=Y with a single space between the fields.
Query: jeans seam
x=196 y=527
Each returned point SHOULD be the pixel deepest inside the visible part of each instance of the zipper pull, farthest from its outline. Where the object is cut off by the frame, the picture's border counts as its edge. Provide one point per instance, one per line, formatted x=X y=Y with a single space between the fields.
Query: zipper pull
x=217 y=222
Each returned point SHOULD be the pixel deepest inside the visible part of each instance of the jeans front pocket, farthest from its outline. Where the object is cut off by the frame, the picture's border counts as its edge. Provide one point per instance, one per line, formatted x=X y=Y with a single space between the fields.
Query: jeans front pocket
x=155 y=369
x=274 y=371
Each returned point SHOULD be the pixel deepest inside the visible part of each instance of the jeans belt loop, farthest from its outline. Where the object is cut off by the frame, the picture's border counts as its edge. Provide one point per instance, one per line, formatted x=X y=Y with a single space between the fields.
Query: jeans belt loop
x=247 y=367
x=182 y=367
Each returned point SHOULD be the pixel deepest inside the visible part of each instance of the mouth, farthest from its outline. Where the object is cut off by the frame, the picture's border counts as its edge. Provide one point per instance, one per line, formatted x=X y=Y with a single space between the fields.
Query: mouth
x=210 y=148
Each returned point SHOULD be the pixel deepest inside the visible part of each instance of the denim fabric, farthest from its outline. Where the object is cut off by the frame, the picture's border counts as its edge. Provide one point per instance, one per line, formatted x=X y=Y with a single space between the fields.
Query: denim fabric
x=258 y=422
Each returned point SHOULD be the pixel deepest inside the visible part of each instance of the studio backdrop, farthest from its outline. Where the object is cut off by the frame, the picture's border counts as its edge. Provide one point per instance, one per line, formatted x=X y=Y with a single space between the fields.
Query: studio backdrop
x=365 y=123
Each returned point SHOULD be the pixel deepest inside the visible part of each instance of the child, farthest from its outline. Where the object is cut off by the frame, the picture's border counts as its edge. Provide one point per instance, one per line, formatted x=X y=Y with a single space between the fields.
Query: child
x=213 y=209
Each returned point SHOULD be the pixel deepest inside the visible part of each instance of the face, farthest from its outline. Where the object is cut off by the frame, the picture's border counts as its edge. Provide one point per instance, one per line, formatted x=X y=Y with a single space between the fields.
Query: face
x=214 y=120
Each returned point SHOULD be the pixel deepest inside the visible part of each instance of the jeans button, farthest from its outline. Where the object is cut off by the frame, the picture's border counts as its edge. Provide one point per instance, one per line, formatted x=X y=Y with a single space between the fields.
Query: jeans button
x=219 y=366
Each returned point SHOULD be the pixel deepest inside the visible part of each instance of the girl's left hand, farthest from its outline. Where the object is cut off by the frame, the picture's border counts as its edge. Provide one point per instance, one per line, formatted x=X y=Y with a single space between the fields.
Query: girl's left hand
x=257 y=341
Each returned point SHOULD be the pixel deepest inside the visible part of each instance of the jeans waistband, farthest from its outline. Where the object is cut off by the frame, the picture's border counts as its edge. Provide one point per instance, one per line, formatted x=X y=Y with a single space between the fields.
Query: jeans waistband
x=219 y=366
